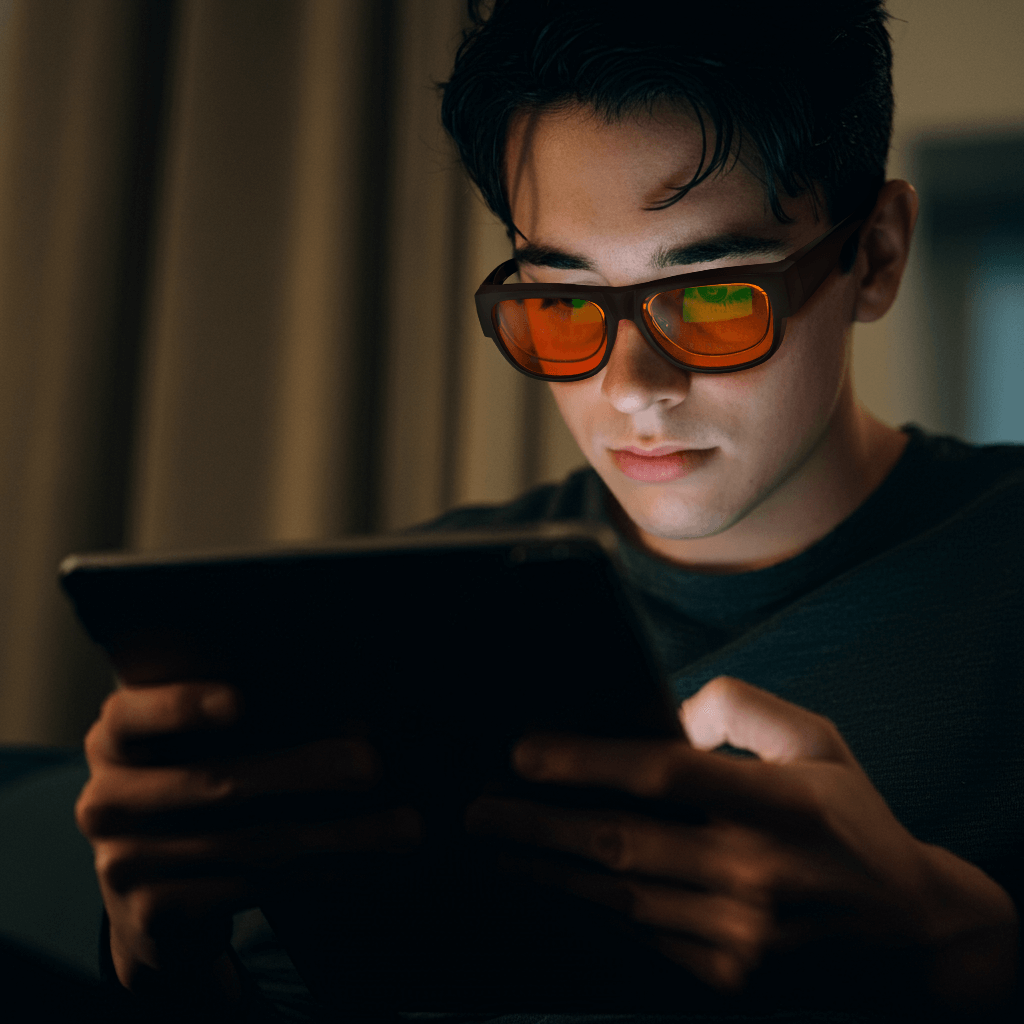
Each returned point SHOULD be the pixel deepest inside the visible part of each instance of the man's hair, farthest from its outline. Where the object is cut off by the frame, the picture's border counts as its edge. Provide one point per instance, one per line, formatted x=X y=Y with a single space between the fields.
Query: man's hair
x=805 y=84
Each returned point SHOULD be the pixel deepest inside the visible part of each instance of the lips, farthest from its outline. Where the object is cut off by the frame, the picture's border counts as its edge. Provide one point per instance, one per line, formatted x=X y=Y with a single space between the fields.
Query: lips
x=653 y=453
x=658 y=465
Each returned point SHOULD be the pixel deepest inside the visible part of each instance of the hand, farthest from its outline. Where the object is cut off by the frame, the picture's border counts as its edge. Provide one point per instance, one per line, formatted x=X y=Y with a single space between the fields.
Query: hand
x=799 y=850
x=180 y=847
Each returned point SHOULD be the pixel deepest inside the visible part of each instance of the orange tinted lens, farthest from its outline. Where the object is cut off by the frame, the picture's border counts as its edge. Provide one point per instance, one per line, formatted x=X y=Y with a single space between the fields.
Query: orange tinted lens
x=717 y=325
x=555 y=337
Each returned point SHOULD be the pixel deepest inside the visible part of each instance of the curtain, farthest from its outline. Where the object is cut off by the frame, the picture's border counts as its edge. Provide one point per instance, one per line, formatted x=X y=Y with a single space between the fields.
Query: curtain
x=237 y=260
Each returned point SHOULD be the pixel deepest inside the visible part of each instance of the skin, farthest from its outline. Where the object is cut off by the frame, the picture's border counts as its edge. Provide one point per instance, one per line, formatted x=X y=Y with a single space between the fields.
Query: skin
x=171 y=886
x=799 y=847
x=780 y=453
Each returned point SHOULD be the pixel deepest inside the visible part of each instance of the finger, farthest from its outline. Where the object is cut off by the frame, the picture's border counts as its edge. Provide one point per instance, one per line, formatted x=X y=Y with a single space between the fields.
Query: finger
x=184 y=901
x=720 y=939
x=722 y=857
x=712 y=918
x=136 y=713
x=723 y=968
x=119 y=798
x=128 y=864
x=728 y=710
x=667 y=770
x=175 y=923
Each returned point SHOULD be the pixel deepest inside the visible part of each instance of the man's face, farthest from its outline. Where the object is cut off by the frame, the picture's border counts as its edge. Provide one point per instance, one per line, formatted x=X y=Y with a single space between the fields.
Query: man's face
x=687 y=455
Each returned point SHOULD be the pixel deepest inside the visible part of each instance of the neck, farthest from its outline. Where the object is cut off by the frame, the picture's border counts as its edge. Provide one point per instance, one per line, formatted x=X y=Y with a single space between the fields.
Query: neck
x=850 y=459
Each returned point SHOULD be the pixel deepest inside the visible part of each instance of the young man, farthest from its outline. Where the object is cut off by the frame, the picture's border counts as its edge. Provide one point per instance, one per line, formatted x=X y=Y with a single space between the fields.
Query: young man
x=834 y=596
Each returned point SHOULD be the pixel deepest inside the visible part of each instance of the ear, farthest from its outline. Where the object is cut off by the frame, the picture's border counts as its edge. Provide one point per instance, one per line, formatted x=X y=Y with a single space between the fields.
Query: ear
x=883 y=251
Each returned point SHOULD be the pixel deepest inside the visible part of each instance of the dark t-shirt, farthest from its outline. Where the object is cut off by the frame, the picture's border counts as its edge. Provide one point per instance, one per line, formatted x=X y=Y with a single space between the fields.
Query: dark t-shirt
x=903 y=626
x=691 y=614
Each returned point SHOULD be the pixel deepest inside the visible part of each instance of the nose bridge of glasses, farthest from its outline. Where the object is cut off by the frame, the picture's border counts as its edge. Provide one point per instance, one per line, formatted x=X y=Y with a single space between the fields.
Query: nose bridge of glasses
x=623 y=304
x=626 y=304
x=643 y=348
x=639 y=375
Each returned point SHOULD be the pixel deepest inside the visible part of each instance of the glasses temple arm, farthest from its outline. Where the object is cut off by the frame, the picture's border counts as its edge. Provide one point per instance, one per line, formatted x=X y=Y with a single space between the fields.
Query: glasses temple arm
x=812 y=267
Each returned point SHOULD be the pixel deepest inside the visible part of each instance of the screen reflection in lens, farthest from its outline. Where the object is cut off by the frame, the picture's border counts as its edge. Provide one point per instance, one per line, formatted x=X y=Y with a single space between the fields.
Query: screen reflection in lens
x=558 y=337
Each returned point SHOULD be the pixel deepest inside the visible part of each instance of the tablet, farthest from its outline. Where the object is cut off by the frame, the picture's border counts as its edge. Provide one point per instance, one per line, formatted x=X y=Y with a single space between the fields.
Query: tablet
x=469 y=639
x=444 y=648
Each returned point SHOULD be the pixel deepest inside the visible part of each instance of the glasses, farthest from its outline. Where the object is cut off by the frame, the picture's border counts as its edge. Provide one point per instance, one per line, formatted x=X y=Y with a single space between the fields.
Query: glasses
x=713 y=321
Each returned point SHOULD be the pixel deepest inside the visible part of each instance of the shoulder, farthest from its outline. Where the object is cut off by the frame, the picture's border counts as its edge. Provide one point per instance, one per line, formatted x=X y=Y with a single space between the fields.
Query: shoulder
x=938 y=482
x=945 y=474
x=579 y=496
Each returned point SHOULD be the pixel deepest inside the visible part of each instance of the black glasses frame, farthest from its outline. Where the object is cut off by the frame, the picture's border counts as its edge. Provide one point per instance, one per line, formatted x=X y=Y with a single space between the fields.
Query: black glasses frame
x=788 y=283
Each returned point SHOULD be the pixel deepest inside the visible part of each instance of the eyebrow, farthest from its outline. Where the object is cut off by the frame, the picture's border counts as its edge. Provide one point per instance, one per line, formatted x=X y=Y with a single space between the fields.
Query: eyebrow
x=719 y=247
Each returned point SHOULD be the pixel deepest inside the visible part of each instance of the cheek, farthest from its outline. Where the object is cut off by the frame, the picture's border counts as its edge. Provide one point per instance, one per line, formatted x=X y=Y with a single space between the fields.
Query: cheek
x=807 y=382
x=774 y=413
x=579 y=402
x=818 y=351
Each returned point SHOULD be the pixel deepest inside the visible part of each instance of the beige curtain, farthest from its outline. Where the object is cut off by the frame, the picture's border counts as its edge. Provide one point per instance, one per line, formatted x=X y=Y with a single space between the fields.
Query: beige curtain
x=237 y=259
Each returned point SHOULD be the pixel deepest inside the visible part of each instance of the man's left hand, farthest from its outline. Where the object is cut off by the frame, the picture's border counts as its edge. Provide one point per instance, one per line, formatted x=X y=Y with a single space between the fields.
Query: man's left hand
x=798 y=848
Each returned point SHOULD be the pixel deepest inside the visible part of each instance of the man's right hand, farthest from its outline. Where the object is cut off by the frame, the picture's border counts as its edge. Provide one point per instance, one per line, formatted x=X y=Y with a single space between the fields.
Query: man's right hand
x=171 y=874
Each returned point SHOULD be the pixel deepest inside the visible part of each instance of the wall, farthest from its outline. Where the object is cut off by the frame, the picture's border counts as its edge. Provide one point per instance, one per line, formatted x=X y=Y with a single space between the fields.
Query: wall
x=958 y=70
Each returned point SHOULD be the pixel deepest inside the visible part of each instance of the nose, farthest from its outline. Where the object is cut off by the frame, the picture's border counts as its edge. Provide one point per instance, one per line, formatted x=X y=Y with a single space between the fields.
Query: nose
x=637 y=377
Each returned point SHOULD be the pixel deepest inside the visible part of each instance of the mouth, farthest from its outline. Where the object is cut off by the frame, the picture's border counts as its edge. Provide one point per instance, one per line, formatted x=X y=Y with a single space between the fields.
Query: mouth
x=658 y=465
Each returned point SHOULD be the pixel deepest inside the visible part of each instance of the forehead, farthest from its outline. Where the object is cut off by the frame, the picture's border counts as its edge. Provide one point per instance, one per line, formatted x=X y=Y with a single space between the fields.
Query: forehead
x=576 y=178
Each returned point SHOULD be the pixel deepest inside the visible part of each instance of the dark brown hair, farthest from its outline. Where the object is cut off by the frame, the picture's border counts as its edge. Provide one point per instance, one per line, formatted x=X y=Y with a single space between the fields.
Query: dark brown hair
x=800 y=90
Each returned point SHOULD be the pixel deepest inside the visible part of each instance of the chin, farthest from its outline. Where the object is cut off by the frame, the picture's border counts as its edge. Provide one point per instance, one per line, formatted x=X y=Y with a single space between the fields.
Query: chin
x=672 y=517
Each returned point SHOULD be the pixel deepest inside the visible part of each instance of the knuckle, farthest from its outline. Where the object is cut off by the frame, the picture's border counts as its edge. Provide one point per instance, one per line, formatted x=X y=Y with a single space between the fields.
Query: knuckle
x=656 y=776
x=720 y=685
x=111 y=704
x=723 y=690
x=181 y=705
x=753 y=878
x=116 y=865
x=746 y=881
x=749 y=934
x=97 y=744
x=828 y=726
x=611 y=846
x=729 y=970
x=93 y=744
x=91 y=812
x=85 y=812
x=833 y=738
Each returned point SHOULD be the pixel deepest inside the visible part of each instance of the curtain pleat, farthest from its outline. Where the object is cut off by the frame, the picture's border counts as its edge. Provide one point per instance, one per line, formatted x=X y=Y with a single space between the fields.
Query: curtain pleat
x=220 y=294
x=237 y=260
x=67 y=154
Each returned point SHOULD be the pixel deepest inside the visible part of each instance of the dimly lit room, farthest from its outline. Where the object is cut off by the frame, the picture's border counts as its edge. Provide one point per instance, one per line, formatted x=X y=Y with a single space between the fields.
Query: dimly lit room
x=241 y=255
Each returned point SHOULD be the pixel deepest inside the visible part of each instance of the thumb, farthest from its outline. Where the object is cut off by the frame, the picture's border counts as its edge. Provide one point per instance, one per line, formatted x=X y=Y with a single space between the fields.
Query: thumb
x=728 y=710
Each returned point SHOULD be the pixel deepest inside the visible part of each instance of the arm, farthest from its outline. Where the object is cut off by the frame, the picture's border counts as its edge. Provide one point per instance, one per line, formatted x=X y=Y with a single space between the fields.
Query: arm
x=799 y=851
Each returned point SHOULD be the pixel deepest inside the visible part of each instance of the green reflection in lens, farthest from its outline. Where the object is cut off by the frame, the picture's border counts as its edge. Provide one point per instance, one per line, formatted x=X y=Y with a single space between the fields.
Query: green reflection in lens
x=717 y=302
